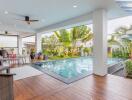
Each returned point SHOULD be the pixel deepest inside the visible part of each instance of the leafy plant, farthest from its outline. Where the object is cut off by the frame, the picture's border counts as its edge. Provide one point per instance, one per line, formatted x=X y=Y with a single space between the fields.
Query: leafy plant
x=128 y=67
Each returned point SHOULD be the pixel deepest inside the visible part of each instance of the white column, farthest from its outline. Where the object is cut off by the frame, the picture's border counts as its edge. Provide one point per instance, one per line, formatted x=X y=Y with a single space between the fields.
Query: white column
x=100 y=42
x=38 y=43
x=19 y=45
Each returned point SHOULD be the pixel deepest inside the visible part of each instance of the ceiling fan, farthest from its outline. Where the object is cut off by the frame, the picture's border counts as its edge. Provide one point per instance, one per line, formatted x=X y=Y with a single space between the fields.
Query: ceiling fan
x=28 y=20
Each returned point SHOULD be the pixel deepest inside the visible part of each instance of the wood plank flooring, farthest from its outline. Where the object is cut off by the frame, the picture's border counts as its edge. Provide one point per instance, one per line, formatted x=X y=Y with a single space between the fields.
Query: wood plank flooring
x=44 y=87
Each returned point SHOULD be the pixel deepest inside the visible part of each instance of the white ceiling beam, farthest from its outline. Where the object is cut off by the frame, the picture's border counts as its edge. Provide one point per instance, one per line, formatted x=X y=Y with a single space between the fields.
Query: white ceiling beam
x=83 y=19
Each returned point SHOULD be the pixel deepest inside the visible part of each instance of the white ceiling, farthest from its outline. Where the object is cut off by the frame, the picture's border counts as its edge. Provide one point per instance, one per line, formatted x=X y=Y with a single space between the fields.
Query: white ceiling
x=51 y=13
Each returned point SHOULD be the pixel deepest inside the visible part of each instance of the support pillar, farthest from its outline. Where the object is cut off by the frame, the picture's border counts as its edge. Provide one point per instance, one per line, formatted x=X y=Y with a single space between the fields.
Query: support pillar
x=19 y=45
x=38 y=43
x=100 y=42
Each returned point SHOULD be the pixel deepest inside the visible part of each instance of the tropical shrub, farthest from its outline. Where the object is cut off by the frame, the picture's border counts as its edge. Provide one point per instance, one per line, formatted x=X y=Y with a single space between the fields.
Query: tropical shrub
x=87 y=51
x=122 y=52
x=63 y=43
x=128 y=67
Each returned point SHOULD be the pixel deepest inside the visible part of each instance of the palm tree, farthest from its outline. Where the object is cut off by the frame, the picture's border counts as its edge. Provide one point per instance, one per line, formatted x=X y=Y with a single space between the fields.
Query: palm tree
x=121 y=34
x=121 y=30
x=64 y=37
x=70 y=38
x=113 y=42
x=82 y=33
x=87 y=36
x=50 y=42
x=128 y=43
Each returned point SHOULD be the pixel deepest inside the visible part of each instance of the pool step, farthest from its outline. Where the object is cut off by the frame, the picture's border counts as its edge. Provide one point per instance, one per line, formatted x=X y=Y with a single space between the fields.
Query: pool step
x=116 y=67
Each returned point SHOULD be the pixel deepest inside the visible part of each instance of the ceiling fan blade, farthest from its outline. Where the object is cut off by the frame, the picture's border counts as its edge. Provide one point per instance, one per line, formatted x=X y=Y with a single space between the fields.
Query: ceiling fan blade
x=34 y=20
x=17 y=14
x=19 y=20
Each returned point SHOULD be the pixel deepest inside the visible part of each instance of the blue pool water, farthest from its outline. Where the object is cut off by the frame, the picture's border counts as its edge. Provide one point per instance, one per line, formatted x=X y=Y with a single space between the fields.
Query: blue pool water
x=69 y=70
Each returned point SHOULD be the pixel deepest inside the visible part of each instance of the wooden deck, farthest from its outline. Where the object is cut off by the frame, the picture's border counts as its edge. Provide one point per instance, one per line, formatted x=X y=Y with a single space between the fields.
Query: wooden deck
x=44 y=87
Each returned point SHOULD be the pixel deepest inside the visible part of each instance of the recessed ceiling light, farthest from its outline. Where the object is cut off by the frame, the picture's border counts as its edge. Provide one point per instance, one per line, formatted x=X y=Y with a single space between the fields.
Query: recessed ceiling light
x=6 y=12
x=75 y=6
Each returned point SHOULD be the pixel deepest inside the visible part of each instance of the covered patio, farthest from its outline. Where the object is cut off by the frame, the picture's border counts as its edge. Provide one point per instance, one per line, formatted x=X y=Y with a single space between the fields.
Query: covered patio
x=93 y=87
x=49 y=16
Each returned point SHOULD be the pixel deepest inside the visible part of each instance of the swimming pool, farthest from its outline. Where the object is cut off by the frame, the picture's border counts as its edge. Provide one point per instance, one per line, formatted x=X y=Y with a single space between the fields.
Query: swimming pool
x=70 y=70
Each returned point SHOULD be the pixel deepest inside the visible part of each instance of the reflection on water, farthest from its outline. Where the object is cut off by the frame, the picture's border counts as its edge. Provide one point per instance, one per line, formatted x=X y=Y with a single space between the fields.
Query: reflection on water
x=69 y=68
